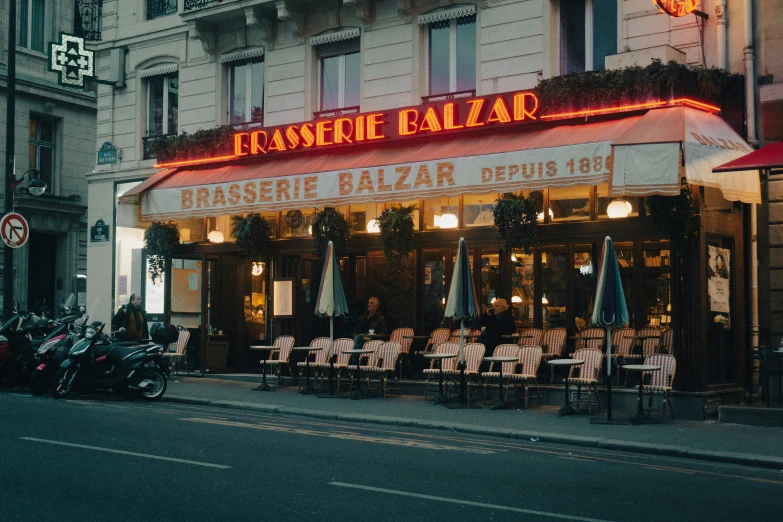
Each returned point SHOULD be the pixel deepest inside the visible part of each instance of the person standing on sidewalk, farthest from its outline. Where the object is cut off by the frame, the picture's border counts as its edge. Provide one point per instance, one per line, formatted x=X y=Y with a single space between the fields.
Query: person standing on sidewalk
x=133 y=319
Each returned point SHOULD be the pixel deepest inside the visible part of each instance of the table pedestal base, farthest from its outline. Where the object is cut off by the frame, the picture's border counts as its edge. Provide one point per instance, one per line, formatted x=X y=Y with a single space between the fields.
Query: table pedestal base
x=263 y=386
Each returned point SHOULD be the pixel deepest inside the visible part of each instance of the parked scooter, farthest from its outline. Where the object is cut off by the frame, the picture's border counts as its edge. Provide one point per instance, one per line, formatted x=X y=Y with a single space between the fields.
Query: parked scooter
x=20 y=337
x=54 y=351
x=99 y=362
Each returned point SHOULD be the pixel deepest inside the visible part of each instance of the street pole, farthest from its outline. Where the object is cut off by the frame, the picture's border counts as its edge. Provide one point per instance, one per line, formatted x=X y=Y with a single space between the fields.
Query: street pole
x=8 y=252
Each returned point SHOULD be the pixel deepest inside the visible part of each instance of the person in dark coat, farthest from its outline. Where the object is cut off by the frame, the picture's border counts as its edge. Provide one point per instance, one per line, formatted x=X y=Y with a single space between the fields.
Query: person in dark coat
x=133 y=319
x=372 y=320
x=496 y=322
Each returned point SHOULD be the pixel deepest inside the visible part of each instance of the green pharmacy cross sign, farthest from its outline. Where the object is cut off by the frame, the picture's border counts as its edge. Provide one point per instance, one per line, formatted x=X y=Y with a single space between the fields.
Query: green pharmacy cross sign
x=71 y=60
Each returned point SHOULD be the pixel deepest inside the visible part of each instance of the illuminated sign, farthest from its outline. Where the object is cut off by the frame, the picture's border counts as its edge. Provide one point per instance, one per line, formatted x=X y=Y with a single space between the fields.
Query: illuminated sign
x=71 y=60
x=432 y=119
x=677 y=7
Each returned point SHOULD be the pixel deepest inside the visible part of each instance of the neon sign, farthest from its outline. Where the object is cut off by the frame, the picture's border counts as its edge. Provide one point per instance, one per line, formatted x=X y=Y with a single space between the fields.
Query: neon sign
x=432 y=119
x=677 y=8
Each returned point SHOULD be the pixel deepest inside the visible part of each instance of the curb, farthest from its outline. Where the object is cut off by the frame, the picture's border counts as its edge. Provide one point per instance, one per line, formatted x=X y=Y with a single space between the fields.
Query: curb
x=743 y=459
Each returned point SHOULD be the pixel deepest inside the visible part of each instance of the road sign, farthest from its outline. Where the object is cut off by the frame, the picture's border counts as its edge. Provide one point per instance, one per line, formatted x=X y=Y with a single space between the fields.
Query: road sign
x=14 y=230
x=99 y=232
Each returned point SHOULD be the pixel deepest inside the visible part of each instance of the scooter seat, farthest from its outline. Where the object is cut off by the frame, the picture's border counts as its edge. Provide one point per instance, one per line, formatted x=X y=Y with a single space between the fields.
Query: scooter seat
x=118 y=353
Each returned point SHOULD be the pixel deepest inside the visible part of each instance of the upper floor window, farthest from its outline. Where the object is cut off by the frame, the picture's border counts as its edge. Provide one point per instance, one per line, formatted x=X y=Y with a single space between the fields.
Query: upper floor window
x=31 y=24
x=588 y=34
x=42 y=148
x=452 y=49
x=162 y=105
x=246 y=92
x=87 y=19
x=158 y=8
x=339 y=69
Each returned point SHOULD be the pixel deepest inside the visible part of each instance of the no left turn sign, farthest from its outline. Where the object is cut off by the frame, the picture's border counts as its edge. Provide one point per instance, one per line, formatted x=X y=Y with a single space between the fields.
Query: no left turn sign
x=14 y=230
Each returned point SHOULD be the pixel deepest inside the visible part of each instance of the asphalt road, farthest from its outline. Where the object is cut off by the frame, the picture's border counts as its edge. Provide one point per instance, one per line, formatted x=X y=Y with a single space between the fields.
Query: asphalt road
x=103 y=459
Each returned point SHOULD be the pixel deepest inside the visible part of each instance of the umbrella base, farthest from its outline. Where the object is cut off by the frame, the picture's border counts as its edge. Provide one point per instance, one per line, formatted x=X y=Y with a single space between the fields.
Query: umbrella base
x=262 y=387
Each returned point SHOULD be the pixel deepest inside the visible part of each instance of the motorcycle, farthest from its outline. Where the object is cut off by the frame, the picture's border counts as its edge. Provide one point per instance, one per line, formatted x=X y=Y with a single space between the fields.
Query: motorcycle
x=100 y=362
x=53 y=351
x=20 y=337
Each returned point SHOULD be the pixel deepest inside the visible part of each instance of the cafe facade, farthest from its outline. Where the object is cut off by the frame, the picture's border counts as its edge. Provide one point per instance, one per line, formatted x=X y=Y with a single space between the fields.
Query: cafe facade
x=451 y=143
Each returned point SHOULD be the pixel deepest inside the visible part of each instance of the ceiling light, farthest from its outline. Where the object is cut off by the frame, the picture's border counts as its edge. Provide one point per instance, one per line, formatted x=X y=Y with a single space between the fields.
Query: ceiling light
x=618 y=209
x=216 y=236
x=448 y=221
x=373 y=226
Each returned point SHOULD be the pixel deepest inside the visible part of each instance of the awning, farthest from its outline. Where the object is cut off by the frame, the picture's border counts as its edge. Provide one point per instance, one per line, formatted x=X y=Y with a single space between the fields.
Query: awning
x=767 y=157
x=562 y=156
x=667 y=144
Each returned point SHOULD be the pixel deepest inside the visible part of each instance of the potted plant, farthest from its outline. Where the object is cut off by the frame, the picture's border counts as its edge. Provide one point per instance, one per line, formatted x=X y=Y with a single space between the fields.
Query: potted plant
x=160 y=240
x=673 y=216
x=253 y=234
x=516 y=221
x=330 y=225
x=396 y=224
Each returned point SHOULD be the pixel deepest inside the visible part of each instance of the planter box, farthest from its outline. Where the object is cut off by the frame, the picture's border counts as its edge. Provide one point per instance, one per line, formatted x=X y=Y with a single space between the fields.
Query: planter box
x=215 y=355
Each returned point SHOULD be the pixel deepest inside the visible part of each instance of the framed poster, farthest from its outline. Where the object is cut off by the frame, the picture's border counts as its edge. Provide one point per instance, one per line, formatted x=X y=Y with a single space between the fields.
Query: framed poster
x=283 y=297
x=719 y=283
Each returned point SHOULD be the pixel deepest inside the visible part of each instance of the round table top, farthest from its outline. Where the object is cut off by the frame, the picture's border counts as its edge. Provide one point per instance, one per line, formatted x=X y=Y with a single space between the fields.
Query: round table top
x=641 y=367
x=262 y=347
x=358 y=351
x=501 y=358
x=440 y=355
x=307 y=348
x=565 y=362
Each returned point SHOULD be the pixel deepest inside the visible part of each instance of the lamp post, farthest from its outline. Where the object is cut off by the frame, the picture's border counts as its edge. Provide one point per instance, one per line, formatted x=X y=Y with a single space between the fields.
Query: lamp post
x=8 y=253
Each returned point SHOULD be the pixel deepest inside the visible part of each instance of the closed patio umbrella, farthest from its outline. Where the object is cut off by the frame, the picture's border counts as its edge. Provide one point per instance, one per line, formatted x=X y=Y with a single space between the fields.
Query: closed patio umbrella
x=610 y=307
x=461 y=304
x=331 y=301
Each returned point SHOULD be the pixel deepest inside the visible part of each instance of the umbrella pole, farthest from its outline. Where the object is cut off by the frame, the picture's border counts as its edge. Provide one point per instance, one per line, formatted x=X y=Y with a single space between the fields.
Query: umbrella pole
x=463 y=383
x=331 y=355
x=608 y=373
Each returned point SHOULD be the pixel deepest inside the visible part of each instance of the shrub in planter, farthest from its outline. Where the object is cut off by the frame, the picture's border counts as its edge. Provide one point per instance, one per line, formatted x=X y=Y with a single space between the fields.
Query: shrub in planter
x=252 y=233
x=396 y=224
x=330 y=225
x=160 y=240
x=515 y=219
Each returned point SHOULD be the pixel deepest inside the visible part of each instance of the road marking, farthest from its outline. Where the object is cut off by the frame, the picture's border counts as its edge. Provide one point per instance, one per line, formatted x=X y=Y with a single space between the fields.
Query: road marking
x=465 y=502
x=131 y=453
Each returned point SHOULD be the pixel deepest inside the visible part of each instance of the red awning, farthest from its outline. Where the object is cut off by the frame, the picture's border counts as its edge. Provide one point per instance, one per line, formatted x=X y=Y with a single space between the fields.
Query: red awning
x=767 y=157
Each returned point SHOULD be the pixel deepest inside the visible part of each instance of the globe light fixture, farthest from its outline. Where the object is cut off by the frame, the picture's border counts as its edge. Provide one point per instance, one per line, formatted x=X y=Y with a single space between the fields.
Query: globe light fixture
x=540 y=216
x=544 y=300
x=373 y=226
x=216 y=236
x=618 y=209
x=448 y=221
x=37 y=186
x=516 y=299
x=258 y=268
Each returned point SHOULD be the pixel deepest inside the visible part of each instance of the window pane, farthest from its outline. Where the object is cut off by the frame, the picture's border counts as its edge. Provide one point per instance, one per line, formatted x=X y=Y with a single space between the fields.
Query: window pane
x=569 y=204
x=33 y=129
x=522 y=287
x=155 y=118
x=466 y=53
x=257 y=92
x=478 y=210
x=490 y=274
x=625 y=262
x=604 y=31
x=572 y=36
x=362 y=214
x=23 y=16
x=46 y=129
x=553 y=301
x=238 y=93
x=435 y=209
x=37 y=26
x=439 y=57
x=46 y=164
x=330 y=87
x=657 y=287
x=173 y=86
x=352 y=79
x=434 y=291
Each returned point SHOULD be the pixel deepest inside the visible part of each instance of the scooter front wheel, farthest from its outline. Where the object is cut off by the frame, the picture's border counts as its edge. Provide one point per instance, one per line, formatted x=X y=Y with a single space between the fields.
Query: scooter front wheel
x=63 y=382
x=38 y=382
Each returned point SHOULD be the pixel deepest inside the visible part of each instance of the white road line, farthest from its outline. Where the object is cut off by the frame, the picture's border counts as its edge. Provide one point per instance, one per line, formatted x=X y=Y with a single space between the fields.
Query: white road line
x=465 y=502
x=121 y=452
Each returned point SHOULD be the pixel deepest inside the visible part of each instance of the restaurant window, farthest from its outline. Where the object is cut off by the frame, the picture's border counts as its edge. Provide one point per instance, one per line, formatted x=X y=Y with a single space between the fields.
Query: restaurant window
x=434 y=292
x=340 y=67
x=298 y=223
x=32 y=25
x=162 y=105
x=478 y=210
x=41 y=147
x=656 y=287
x=255 y=304
x=191 y=230
x=522 y=288
x=219 y=229
x=585 y=272
x=553 y=287
x=625 y=261
x=246 y=92
x=128 y=245
x=362 y=217
x=490 y=277
x=569 y=204
x=604 y=199
x=452 y=54
x=441 y=213
x=588 y=34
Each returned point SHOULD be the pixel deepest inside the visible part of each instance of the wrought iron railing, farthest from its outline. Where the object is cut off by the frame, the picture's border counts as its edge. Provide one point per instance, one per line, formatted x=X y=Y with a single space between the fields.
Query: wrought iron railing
x=150 y=144
x=336 y=112
x=158 y=8
x=198 y=4
x=448 y=96
x=87 y=19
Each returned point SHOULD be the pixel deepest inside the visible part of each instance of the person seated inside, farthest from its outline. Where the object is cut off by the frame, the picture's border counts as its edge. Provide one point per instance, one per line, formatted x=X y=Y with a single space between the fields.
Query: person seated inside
x=496 y=322
x=371 y=322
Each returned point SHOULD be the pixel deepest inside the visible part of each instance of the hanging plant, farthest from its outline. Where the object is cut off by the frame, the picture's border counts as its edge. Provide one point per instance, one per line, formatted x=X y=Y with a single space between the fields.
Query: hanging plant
x=673 y=217
x=253 y=234
x=396 y=224
x=330 y=225
x=516 y=221
x=217 y=141
x=160 y=241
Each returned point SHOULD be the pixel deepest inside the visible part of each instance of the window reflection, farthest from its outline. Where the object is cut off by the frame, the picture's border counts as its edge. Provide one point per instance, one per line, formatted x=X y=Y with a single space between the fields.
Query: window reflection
x=522 y=288
x=553 y=301
x=657 y=286
x=585 y=276
x=569 y=204
x=441 y=213
x=478 y=210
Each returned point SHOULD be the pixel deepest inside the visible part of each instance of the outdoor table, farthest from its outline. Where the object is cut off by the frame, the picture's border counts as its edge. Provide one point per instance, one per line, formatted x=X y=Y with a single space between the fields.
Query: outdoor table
x=358 y=393
x=501 y=404
x=779 y=354
x=567 y=409
x=640 y=417
x=307 y=389
x=263 y=386
x=440 y=356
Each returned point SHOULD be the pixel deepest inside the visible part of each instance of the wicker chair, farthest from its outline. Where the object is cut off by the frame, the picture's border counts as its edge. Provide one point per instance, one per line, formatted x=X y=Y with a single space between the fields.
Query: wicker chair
x=342 y=359
x=321 y=356
x=622 y=346
x=386 y=365
x=399 y=336
x=553 y=343
x=448 y=364
x=587 y=375
x=667 y=341
x=282 y=350
x=509 y=368
x=372 y=360
x=531 y=337
x=660 y=381
x=438 y=335
x=474 y=354
x=322 y=367
x=179 y=349
x=595 y=342
x=529 y=361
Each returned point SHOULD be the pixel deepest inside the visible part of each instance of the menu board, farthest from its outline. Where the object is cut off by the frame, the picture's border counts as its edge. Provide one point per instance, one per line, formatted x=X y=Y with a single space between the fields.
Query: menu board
x=283 y=296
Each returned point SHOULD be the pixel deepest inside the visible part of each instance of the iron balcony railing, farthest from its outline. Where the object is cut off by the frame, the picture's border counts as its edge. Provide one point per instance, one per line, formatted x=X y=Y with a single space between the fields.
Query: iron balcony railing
x=158 y=8
x=199 y=4
x=88 y=16
x=151 y=142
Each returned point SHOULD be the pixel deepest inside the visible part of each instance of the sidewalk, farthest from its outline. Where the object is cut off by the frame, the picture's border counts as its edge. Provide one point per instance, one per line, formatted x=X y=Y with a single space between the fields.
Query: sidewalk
x=712 y=441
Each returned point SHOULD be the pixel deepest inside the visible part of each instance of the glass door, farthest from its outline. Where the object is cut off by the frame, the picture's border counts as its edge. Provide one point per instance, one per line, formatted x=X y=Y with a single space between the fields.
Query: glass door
x=185 y=289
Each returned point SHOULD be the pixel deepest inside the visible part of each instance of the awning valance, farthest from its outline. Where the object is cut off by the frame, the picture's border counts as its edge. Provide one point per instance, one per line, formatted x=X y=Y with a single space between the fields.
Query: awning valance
x=648 y=158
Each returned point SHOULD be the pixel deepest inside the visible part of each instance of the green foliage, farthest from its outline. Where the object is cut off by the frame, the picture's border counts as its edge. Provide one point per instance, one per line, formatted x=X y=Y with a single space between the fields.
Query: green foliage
x=396 y=224
x=515 y=219
x=218 y=141
x=673 y=217
x=330 y=225
x=160 y=241
x=253 y=234
x=714 y=81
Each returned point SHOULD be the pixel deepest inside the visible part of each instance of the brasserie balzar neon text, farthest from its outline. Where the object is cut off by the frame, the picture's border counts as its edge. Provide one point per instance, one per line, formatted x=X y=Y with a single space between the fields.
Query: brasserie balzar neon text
x=407 y=122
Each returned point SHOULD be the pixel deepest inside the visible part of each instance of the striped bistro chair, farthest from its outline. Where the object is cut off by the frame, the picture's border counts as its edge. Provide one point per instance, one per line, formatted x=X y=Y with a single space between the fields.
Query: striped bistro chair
x=649 y=346
x=531 y=337
x=316 y=357
x=320 y=367
x=399 y=336
x=179 y=349
x=622 y=346
x=586 y=375
x=509 y=368
x=474 y=354
x=282 y=353
x=438 y=335
x=529 y=361
x=385 y=367
x=592 y=343
x=553 y=344
x=448 y=364
x=660 y=381
x=372 y=360
x=341 y=360
x=667 y=342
